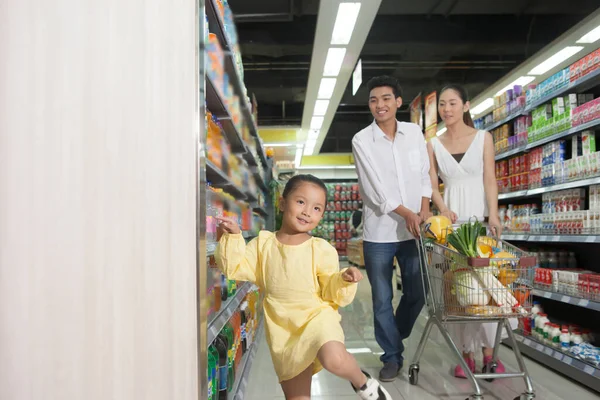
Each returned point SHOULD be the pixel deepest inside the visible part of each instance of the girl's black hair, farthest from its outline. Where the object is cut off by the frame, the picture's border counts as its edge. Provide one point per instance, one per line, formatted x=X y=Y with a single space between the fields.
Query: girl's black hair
x=297 y=180
x=464 y=96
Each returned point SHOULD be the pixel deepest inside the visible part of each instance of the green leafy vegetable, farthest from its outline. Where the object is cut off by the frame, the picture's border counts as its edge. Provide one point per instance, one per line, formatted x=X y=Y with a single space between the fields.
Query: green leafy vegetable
x=464 y=239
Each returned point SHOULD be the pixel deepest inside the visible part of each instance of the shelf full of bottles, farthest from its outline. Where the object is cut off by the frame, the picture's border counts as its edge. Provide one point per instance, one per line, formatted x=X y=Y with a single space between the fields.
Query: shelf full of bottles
x=548 y=173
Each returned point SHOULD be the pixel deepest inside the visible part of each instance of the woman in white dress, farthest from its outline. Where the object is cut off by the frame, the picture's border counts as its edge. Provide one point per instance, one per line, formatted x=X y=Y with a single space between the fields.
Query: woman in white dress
x=464 y=158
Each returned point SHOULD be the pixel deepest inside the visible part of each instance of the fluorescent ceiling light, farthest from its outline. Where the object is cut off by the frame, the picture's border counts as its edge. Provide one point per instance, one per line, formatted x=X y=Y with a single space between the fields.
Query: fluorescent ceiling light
x=326 y=88
x=441 y=131
x=311 y=143
x=298 y=158
x=486 y=104
x=313 y=135
x=334 y=60
x=556 y=59
x=321 y=107
x=308 y=151
x=316 y=122
x=344 y=23
x=356 y=77
x=522 y=81
x=591 y=36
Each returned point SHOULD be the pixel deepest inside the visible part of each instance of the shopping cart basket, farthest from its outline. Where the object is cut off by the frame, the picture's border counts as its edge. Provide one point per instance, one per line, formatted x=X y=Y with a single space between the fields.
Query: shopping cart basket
x=461 y=289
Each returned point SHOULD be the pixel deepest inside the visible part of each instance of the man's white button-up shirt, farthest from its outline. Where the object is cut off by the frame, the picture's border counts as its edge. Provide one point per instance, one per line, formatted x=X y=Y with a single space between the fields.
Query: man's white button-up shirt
x=390 y=174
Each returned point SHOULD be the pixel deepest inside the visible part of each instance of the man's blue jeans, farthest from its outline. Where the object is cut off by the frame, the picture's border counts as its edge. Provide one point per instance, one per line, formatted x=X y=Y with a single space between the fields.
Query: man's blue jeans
x=390 y=330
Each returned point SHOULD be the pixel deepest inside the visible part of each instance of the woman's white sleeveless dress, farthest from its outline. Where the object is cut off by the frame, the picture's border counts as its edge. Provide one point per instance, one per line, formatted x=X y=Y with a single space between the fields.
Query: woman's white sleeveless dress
x=464 y=194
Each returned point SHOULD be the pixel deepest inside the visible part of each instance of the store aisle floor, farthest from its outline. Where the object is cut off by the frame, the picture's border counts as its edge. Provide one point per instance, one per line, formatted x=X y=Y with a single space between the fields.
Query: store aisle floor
x=435 y=381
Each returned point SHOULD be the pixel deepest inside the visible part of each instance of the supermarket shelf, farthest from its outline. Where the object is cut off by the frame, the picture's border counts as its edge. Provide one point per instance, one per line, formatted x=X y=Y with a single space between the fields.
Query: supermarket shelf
x=261 y=152
x=211 y=247
x=552 y=238
x=260 y=180
x=510 y=153
x=563 y=298
x=216 y=26
x=218 y=179
x=563 y=363
x=241 y=381
x=547 y=189
x=251 y=196
x=563 y=186
x=220 y=318
x=504 y=121
x=217 y=106
x=541 y=142
x=512 y=195
x=515 y=237
x=261 y=211
x=583 y=83
x=249 y=157
x=563 y=134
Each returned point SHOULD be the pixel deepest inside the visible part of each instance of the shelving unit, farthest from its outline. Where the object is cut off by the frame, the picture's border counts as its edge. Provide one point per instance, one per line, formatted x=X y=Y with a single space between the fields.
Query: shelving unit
x=243 y=137
x=563 y=298
x=554 y=302
x=241 y=382
x=505 y=120
x=568 y=365
x=552 y=138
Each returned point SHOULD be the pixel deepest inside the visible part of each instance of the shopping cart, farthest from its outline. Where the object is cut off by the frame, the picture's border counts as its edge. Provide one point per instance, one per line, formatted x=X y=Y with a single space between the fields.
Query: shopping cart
x=461 y=289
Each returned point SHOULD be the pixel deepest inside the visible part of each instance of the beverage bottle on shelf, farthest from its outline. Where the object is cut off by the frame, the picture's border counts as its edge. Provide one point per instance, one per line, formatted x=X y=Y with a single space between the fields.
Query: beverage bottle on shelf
x=212 y=350
x=243 y=309
x=224 y=293
x=211 y=373
x=228 y=331
x=222 y=347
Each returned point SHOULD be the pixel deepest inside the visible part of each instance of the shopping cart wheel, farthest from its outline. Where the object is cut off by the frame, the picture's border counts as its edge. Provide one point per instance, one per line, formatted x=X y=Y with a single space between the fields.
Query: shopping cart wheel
x=490 y=368
x=526 y=396
x=413 y=374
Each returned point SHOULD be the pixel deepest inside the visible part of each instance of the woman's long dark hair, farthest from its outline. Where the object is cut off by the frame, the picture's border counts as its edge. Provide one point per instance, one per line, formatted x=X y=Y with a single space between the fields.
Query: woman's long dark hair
x=464 y=96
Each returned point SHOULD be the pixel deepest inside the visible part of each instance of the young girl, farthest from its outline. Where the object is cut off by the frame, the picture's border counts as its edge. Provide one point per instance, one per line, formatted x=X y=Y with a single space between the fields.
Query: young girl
x=303 y=288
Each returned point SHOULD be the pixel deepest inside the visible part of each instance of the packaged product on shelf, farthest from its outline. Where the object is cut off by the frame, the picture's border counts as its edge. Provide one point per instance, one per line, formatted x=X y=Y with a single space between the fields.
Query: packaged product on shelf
x=222 y=346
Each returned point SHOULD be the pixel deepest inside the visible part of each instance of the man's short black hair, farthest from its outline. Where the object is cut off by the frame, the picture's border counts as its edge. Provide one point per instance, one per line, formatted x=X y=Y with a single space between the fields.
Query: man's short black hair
x=388 y=81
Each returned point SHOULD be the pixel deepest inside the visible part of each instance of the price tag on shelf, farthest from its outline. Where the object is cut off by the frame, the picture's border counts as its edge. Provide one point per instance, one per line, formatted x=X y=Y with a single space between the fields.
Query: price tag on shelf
x=588 y=369
x=558 y=356
x=547 y=295
x=539 y=347
x=548 y=351
x=568 y=360
x=527 y=342
x=565 y=299
x=583 y=303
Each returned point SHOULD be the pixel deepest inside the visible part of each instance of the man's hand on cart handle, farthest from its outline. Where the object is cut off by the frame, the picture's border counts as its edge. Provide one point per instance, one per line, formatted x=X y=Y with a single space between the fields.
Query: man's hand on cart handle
x=413 y=224
x=425 y=215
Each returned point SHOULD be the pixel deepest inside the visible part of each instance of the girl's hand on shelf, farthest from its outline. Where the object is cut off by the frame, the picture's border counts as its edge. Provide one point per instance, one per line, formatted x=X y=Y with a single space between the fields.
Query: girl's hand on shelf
x=352 y=274
x=229 y=225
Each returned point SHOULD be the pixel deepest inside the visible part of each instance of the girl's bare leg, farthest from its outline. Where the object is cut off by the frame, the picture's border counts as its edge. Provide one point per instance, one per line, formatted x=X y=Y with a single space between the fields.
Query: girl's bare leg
x=298 y=388
x=335 y=359
x=488 y=351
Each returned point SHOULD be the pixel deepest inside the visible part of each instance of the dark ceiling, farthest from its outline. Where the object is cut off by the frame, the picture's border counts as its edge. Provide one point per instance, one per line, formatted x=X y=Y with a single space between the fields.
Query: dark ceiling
x=424 y=43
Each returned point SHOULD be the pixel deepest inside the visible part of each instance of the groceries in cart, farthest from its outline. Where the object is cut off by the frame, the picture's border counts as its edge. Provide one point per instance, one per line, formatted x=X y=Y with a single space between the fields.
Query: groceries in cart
x=478 y=275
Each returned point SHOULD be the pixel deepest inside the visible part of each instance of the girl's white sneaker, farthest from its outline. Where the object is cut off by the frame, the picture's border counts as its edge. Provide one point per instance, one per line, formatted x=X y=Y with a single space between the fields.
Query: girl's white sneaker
x=372 y=390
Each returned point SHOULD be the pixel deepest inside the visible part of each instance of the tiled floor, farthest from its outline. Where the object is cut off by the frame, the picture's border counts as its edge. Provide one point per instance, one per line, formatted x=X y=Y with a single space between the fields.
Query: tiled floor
x=435 y=381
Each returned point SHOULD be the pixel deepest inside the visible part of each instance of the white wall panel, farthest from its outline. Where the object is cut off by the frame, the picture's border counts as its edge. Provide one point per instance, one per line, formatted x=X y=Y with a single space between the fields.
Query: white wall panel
x=98 y=132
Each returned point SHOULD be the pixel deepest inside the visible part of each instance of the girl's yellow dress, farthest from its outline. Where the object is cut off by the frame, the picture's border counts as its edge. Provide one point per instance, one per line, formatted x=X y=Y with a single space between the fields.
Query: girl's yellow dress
x=303 y=288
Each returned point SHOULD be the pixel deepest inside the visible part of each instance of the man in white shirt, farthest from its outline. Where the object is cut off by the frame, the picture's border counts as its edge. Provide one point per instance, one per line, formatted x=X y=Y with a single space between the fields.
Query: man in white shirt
x=393 y=174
